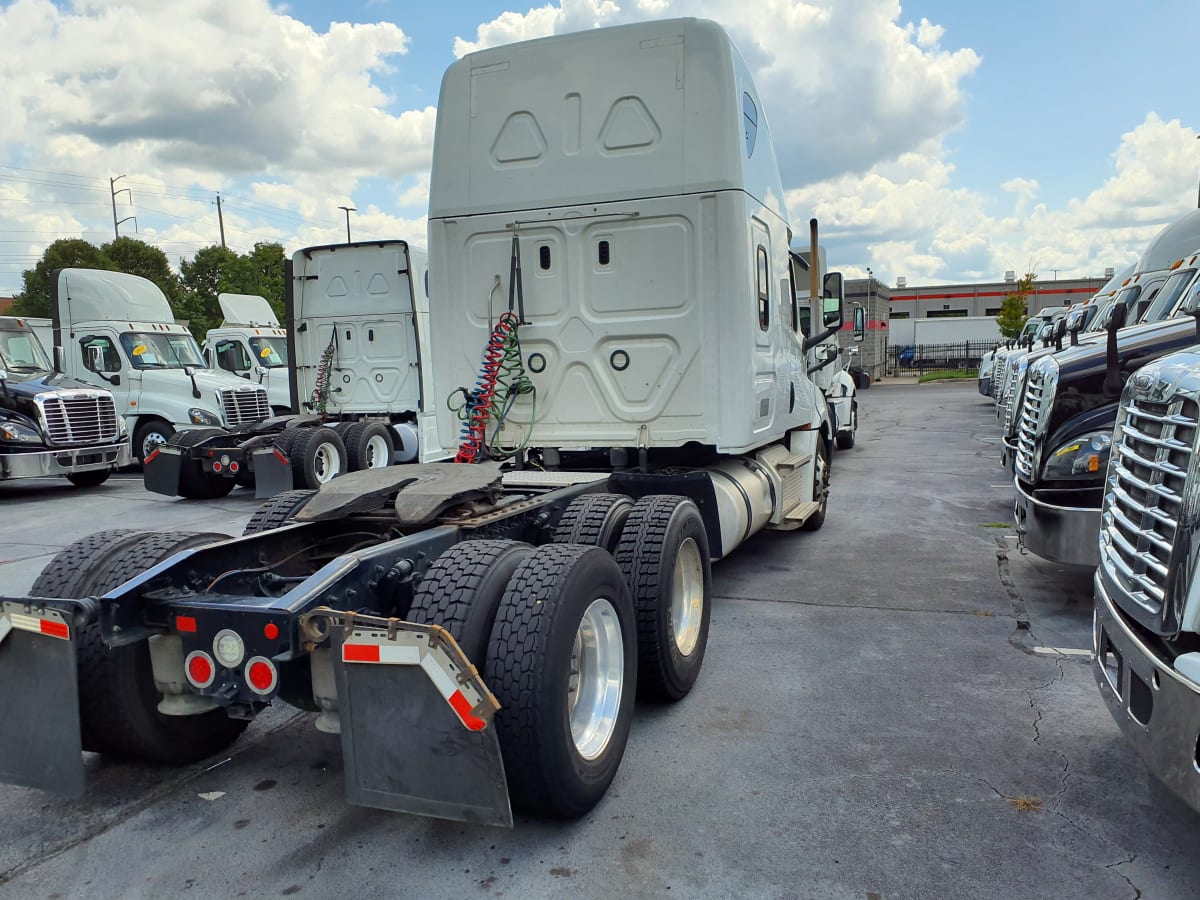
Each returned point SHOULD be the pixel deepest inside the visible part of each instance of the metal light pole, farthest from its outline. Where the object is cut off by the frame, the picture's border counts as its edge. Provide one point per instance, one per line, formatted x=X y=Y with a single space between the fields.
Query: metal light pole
x=348 y=209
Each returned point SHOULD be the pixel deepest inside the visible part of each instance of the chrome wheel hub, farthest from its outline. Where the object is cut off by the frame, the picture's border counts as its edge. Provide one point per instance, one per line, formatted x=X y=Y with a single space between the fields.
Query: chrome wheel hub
x=596 y=679
x=687 y=597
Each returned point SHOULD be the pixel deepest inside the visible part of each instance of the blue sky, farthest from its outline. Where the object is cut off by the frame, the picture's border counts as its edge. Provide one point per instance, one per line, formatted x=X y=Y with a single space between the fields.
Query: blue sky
x=936 y=139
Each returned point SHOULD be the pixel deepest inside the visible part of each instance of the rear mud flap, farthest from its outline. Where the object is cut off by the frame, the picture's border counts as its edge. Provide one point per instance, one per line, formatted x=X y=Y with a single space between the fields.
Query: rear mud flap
x=417 y=732
x=40 y=744
x=160 y=471
x=272 y=472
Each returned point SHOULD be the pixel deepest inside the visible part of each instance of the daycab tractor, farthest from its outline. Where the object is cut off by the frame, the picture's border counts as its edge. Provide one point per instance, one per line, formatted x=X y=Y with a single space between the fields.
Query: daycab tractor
x=357 y=317
x=1085 y=324
x=616 y=309
x=1147 y=617
x=1064 y=431
x=250 y=344
x=116 y=331
x=51 y=424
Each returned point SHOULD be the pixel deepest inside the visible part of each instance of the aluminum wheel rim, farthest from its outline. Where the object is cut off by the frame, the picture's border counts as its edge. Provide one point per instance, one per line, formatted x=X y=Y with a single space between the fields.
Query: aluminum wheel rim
x=377 y=452
x=325 y=462
x=152 y=440
x=687 y=597
x=596 y=679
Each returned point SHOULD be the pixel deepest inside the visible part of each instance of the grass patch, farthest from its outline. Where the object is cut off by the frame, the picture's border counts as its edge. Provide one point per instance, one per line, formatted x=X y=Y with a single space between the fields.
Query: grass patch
x=996 y=525
x=948 y=375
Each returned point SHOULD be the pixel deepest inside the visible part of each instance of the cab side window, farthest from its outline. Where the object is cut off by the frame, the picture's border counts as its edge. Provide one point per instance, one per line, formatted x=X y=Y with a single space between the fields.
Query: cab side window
x=764 y=287
x=232 y=356
x=100 y=354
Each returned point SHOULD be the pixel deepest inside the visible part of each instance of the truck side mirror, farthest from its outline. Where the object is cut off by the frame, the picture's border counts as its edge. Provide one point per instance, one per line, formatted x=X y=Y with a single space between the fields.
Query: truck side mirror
x=189 y=371
x=94 y=358
x=833 y=301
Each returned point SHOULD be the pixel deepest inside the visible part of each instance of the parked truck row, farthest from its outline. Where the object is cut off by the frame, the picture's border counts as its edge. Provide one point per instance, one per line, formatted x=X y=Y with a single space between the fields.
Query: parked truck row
x=1103 y=443
x=476 y=631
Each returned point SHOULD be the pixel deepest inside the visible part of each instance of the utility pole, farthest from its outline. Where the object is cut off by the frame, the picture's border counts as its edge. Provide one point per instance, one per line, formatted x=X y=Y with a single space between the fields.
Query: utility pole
x=112 y=189
x=348 y=209
x=220 y=220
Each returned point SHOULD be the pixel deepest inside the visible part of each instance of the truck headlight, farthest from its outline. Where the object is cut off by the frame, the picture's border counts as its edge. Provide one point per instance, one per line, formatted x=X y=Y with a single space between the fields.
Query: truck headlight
x=1081 y=457
x=122 y=426
x=203 y=417
x=19 y=434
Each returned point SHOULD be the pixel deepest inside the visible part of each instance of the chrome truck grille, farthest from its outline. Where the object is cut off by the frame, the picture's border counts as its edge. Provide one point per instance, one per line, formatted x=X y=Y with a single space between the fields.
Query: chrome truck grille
x=1151 y=455
x=243 y=406
x=1012 y=405
x=78 y=418
x=1029 y=421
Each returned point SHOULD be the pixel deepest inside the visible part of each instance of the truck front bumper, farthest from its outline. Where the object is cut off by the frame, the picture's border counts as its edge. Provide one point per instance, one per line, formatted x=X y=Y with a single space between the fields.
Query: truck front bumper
x=1008 y=453
x=1156 y=708
x=1065 y=534
x=985 y=385
x=64 y=462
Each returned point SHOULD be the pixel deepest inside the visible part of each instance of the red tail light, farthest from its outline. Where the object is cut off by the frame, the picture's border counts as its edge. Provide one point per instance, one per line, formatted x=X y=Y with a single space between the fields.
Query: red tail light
x=200 y=669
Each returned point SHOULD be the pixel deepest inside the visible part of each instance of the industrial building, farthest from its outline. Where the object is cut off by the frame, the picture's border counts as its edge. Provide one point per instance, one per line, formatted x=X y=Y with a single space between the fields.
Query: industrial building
x=883 y=303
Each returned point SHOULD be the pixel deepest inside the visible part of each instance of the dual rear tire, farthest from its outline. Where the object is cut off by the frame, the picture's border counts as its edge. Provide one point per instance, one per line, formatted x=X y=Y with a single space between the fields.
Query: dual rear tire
x=568 y=633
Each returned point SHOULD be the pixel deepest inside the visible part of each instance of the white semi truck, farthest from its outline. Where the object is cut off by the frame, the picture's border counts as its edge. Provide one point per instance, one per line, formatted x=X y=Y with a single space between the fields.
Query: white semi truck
x=357 y=330
x=250 y=344
x=616 y=307
x=117 y=331
x=831 y=377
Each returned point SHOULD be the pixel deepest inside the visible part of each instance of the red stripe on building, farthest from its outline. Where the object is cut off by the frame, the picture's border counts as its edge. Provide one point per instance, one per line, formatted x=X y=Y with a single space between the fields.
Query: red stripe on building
x=967 y=295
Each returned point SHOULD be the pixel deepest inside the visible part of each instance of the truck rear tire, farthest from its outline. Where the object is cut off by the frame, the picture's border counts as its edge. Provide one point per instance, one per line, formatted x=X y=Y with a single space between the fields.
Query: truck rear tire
x=194 y=482
x=369 y=445
x=820 y=486
x=118 y=702
x=594 y=519
x=562 y=660
x=278 y=511
x=94 y=478
x=148 y=435
x=665 y=559
x=317 y=456
x=462 y=589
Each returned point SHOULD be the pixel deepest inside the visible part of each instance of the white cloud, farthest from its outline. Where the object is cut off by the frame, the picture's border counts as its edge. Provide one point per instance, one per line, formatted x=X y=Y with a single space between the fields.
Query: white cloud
x=889 y=215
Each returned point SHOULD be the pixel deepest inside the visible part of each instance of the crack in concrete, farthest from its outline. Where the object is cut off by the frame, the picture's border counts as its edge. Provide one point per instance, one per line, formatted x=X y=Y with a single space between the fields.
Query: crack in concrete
x=1010 y=588
x=1137 y=891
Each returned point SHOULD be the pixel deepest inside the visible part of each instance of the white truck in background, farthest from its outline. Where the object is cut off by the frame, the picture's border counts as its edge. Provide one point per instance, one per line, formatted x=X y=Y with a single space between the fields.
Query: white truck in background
x=477 y=633
x=958 y=329
x=357 y=329
x=117 y=331
x=250 y=344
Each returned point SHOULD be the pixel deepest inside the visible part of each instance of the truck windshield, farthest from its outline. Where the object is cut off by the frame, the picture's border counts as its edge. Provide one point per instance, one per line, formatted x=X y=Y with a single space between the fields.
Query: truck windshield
x=1166 y=303
x=147 y=350
x=22 y=356
x=270 y=352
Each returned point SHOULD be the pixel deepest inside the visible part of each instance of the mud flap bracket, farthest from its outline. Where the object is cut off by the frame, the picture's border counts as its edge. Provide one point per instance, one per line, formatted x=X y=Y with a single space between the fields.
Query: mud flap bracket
x=417 y=732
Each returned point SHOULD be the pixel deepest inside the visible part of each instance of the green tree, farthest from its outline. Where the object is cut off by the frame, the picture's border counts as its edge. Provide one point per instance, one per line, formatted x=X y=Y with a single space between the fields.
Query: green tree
x=34 y=299
x=1014 y=311
x=217 y=270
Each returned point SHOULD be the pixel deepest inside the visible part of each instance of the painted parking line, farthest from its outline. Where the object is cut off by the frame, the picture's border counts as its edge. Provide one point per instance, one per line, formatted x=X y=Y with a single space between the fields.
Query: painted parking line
x=1062 y=651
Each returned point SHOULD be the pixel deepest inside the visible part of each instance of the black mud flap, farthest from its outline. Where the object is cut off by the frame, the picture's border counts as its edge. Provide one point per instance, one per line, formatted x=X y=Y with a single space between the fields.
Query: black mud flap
x=40 y=744
x=417 y=732
x=160 y=471
x=272 y=472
